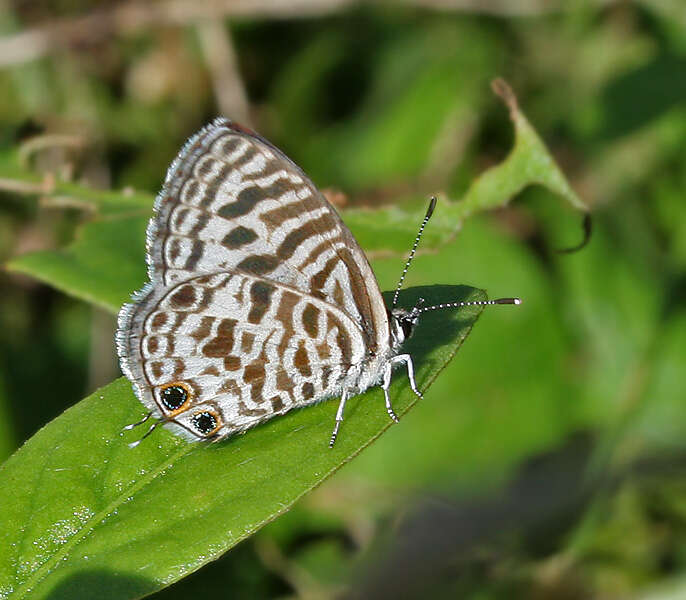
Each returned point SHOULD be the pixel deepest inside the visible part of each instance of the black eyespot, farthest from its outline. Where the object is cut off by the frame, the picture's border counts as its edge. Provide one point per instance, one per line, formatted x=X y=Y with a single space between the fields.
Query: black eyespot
x=174 y=396
x=204 y=422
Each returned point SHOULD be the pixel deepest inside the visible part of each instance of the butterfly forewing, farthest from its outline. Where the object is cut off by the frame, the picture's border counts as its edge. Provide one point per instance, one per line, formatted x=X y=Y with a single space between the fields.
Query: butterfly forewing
x=231 y=201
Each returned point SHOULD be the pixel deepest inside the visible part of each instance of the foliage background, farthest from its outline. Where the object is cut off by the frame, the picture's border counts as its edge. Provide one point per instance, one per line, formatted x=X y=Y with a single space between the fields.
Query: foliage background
x=548 y=460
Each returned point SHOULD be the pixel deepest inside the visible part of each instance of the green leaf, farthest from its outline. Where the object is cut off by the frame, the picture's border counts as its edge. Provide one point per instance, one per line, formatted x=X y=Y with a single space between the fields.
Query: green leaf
x=81 y=508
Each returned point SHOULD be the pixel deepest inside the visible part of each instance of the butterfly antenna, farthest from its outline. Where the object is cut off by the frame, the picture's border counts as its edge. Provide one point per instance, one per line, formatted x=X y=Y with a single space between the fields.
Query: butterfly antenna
x=472 y=303
x=429 y=212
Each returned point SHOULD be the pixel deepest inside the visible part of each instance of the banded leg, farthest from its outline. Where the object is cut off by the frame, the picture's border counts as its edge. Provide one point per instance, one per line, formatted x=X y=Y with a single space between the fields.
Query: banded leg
x=384 y=386
x=339 y=418
x=137 y=423
x=401 y=358
x=146 y=434
x=407 y=359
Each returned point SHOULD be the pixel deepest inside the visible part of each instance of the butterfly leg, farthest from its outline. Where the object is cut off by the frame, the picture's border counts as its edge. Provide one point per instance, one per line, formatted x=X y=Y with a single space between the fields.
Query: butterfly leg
x=339 y=418
x=407 y=359
x=146 y=434
x=137 y=423
x=384 y=386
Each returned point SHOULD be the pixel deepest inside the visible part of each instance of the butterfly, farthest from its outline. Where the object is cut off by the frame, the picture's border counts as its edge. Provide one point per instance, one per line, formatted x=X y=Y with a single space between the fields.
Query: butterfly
x=259 y=299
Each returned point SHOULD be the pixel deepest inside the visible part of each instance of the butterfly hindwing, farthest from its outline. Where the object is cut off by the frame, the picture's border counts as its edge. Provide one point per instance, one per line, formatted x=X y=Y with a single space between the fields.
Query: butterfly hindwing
x=218 y=353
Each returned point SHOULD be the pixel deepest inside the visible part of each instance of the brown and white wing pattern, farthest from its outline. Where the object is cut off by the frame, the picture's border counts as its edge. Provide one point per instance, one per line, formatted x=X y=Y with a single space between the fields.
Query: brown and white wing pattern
x=232 y=201
x=219 y=353
x=259 y=297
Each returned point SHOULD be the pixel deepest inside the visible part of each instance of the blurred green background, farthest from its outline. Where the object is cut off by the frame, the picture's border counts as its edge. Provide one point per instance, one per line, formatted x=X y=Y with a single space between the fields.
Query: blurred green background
x=549 y=459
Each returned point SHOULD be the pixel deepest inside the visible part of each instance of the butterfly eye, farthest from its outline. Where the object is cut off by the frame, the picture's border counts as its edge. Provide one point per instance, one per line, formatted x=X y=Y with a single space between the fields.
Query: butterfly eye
x=205 y=422
x=174 y=396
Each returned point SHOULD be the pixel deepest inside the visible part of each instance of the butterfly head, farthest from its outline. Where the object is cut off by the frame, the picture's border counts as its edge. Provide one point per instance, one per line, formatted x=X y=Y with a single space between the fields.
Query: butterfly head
x=403 y=323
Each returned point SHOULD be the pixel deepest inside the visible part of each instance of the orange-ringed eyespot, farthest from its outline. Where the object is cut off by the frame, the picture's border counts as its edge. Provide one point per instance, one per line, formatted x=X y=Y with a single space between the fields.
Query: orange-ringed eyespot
x=173 y=397
x=205 y=422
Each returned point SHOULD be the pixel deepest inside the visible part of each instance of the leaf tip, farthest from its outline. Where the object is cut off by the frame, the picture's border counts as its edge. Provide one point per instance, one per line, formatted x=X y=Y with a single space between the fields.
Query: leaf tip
x=501 y=88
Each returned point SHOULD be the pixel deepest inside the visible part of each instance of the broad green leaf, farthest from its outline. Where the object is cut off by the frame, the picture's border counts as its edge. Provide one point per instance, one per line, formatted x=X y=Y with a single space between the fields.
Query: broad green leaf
x=105 y=263
x=81 y=508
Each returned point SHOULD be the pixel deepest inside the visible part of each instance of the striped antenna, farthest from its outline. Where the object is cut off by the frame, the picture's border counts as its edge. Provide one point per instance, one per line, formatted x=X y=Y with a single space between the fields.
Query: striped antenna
x=473 y=303
x=429 y=212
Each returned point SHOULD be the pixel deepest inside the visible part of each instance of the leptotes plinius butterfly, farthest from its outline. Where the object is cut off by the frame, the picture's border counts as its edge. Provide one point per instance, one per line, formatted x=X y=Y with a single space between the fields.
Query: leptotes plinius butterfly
x=260 y=300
